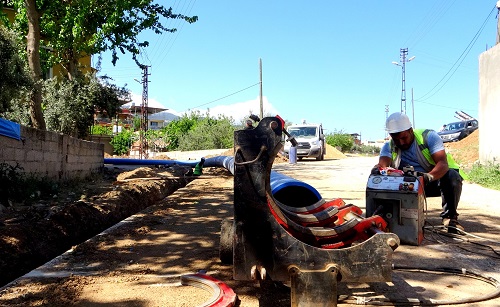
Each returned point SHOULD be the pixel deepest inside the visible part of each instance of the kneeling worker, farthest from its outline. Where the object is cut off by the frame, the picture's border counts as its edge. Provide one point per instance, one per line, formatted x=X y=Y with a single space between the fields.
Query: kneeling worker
x=424 y=150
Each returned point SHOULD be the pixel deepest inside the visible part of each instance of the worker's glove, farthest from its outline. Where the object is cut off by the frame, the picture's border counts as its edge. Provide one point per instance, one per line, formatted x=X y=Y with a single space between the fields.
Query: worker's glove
x=427 y=178
x=375 y=171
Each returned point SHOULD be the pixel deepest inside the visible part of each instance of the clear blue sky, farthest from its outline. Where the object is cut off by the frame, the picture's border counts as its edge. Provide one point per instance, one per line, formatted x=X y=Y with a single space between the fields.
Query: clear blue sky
x=324 y=61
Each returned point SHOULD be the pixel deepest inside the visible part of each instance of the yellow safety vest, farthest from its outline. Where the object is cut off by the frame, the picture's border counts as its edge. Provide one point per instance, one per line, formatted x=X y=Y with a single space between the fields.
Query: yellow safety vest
x=423 y=154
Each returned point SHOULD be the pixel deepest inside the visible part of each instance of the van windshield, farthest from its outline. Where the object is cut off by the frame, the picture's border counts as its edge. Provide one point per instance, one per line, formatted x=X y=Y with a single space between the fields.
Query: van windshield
x=303 y=132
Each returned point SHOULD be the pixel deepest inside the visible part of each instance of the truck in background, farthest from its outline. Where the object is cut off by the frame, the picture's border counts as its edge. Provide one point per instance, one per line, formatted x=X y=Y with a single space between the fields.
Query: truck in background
x=310 y=139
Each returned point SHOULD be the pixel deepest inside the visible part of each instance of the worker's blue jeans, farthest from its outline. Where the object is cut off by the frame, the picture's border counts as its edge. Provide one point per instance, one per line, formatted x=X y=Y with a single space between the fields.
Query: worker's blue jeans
x=449 y=187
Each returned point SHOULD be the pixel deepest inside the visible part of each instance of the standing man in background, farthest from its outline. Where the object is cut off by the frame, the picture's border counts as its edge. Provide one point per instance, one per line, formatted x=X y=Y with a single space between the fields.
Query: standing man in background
x=424 y=150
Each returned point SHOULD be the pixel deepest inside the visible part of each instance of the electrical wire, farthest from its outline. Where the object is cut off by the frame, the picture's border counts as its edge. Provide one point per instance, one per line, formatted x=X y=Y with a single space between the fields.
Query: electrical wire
x=461 y=240
x=457 y=63
x=435 y=13
x=440 y=232
x=377 y=301
x=441 y=235
x=179 y=26
x=246 y=88
x=159 y=45
x=161 y=37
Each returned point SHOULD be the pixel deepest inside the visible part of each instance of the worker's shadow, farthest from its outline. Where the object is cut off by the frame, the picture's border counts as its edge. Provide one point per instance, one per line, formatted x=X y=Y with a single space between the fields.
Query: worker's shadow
x=273 y=294
x=277 y=294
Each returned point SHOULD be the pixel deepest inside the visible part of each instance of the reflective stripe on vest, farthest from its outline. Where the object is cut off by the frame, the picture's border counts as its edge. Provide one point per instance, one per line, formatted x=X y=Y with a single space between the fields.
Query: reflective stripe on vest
x=423 y=154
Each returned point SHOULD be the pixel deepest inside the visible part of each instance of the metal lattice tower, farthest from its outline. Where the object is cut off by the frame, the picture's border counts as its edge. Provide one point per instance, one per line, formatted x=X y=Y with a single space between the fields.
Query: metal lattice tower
x=403 y=54
x=143 y=152
x=402 y=63
x=386 y=116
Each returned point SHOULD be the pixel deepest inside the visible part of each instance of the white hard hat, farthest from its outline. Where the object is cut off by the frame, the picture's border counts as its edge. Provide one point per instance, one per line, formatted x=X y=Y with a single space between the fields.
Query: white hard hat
x=397 y=122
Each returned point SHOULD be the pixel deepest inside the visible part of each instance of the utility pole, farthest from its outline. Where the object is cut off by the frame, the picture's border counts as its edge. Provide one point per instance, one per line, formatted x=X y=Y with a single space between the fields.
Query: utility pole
x=261 y=102
x=403 y=53
x=386 y=116
x=412 y=107
x=143 y=150
x=498 y=22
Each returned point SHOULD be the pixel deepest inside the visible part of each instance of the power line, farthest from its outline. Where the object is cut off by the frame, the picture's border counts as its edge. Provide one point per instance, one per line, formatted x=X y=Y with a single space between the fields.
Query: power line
x=460 y=59
x=201 y=105
x=446 y=107
x=179 y=26
x=429 y=21
x=161 y=37
x=159 y=46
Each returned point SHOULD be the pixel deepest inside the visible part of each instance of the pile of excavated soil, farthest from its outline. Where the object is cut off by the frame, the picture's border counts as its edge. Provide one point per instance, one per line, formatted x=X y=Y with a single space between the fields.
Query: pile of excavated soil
x=465 y=151
x=333 y=153
x=141 y=172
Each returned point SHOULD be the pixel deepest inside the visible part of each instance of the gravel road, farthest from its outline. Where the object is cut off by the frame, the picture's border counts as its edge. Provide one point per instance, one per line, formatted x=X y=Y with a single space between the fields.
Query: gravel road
x=139 y=261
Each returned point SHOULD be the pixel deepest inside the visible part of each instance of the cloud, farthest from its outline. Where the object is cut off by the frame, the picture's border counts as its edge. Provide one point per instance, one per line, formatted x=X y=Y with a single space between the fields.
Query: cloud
x=152 y=103
x=238 y=111
x=241 y=110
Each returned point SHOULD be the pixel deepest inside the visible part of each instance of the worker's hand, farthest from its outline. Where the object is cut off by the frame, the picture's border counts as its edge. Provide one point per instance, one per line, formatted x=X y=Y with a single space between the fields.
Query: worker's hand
x=427 y=178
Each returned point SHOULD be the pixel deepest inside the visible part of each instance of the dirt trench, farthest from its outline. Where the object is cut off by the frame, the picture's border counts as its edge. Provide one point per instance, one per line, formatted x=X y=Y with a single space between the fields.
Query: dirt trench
x=32 y=235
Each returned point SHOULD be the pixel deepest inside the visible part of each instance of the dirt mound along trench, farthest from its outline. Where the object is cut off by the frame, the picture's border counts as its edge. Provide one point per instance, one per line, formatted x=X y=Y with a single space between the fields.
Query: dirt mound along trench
x=30 y=236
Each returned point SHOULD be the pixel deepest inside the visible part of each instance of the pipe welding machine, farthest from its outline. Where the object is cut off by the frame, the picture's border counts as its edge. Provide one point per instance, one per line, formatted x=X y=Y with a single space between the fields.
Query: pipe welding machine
x=399 y=198
x=312 y=245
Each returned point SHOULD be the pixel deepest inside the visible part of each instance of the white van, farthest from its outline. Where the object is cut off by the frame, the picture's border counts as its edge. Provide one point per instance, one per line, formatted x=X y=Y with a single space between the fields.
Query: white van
x=310 y=139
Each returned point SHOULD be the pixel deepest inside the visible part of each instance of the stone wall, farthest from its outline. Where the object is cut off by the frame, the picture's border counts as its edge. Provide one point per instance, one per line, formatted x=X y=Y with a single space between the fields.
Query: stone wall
x=489 y=105
x=52 y=155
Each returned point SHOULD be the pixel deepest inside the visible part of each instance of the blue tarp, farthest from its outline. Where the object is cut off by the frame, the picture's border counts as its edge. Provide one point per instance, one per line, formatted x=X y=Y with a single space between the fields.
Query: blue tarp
x=10 y=129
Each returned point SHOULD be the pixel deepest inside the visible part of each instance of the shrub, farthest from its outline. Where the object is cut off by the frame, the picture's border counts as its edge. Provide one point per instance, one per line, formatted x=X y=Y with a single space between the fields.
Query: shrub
x=70 y=104
x=487 y=176
x=177 y=129
x=341 y=140
x=19 y=187
x=366 y=149
x=209 y=133
x=122 y=142
x=102 y=130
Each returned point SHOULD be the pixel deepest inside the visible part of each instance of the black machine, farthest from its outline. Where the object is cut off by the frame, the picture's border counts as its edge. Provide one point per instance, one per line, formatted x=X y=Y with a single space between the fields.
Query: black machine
x=311 y=246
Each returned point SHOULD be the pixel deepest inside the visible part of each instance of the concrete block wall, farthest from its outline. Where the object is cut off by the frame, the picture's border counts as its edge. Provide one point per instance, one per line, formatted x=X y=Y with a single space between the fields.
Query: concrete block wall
x=103 y=139
x=489 y=105
x=52 y=155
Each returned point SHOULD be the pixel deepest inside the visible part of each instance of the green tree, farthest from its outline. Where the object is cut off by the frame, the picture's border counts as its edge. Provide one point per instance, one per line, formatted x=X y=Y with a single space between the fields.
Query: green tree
x=177 y=129
x=209 y=133
x=340 y=139
x=101 y=130
x=78 y=28
x=71 y=104
x=122 y=142
x=14 y=77
x=33 y=51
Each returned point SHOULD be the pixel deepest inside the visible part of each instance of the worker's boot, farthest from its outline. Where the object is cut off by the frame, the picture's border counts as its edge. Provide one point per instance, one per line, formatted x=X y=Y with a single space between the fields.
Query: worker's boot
x=453 y=226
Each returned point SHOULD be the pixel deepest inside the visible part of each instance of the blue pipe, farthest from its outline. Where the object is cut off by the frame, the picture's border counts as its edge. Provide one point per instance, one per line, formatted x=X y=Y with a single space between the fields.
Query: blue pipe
x=289 y=191
x=285 y=189
x=121 y=161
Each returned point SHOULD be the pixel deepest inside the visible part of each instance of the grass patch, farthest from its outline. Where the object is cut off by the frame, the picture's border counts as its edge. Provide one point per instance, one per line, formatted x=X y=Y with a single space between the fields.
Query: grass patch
x=18 y=188
x=22 y=188
x=487 y=176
